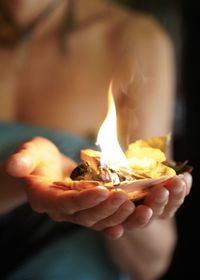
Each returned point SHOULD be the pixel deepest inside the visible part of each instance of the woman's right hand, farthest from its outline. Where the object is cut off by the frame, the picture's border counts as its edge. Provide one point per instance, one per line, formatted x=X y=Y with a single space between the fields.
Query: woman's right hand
x=41 y=165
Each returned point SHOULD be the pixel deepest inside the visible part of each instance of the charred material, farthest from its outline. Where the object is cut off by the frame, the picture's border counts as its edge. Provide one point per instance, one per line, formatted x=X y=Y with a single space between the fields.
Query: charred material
x=85 y=171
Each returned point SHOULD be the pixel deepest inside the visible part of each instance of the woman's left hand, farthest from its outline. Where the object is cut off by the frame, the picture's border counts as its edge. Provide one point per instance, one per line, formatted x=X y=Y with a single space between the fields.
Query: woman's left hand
x=162 y=202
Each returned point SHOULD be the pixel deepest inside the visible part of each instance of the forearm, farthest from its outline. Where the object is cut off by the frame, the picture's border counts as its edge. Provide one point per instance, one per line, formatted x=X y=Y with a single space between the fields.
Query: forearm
x=12 y=191
x=145 y=253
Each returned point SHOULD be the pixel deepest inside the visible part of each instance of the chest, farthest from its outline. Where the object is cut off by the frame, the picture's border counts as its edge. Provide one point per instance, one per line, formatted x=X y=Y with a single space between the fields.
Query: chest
x=61 y=89
x=66 y=90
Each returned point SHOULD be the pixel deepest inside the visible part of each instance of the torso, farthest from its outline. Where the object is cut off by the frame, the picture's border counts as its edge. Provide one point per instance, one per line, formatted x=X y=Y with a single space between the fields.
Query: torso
x=69 y=91
x=62 y=91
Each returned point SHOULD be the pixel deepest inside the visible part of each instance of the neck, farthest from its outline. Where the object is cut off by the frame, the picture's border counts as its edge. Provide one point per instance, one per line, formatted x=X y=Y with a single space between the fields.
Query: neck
x=24 y=17
x=24 y=12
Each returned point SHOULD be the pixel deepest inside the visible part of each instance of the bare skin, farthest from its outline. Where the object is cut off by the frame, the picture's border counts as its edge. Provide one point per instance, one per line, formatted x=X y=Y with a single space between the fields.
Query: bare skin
x=140 y=59
x=142 y=228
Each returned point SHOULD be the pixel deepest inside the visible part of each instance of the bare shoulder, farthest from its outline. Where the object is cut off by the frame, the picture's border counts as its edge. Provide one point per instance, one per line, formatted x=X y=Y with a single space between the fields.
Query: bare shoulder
x=149 y=34
x=144 y=48
x=141 y=30
x=146 y=75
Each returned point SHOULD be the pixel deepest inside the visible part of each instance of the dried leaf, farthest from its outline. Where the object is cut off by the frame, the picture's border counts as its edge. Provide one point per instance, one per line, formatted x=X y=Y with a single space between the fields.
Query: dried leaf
x=161 y=142
x=151 y=168
x=180 y=167
x=154 y=148
x=145 y=152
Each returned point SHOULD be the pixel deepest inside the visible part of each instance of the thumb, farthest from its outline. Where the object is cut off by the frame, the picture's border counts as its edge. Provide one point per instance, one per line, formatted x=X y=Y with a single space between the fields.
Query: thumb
x=21 y=163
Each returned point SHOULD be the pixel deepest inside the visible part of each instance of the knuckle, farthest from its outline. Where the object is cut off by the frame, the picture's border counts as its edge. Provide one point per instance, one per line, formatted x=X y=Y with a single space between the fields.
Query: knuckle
x=70 y=212
x=89 y=223
x=56 y=218
x=97 y=227
x=67 y=210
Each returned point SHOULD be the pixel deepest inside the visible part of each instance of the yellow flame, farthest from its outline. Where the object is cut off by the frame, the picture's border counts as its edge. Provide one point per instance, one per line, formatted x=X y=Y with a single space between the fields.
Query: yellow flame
x=111 y=152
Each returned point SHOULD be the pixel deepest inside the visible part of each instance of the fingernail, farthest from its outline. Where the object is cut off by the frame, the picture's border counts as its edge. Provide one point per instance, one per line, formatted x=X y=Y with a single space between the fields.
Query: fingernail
x=149 y=214
x=162 y=197
x=131 y=207
x=128 y=206
x=102 y=188
x=143 y=219
x=188 y=178
x=101 y=197
x=118 y=200
x=177 y=189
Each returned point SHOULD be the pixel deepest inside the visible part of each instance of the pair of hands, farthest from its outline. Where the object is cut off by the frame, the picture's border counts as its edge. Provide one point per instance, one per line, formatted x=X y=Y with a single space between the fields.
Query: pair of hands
x=41 y=164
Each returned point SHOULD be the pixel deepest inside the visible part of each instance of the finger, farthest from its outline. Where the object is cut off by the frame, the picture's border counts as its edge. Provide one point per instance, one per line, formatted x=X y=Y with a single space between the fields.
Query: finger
x=45 y=197
x=140 y=218
x=57 y=217
x=114 y=232
x=187 y=177
x=177 y=192
x=21 y=164
x=93 y=215
x=71 y=202
x=125 y=210
x=25 y=160
x=30 y=154
x=157 y=199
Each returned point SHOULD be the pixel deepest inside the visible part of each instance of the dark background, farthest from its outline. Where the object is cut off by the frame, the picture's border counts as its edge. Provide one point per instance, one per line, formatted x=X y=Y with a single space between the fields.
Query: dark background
x=181 y=20
x=186 y=260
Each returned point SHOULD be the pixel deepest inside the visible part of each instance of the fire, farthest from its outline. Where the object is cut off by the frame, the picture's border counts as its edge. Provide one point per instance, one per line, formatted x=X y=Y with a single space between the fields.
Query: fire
x=111 y=153
x=143 y=164
x=145 y=157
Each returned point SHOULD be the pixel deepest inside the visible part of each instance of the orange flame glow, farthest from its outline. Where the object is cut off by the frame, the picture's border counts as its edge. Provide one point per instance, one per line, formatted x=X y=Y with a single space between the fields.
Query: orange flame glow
x=111 y=153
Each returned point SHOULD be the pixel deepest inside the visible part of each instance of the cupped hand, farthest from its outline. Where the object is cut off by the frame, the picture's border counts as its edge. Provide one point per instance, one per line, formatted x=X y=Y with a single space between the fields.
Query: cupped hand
x=161 y=202
x=42 y=165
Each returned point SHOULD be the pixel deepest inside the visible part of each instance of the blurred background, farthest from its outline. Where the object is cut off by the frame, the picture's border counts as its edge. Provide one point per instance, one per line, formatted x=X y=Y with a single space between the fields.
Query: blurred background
x=181 y=21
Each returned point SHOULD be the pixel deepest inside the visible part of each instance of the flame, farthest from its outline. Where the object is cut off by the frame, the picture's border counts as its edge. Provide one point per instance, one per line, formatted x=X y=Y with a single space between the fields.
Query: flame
x=111 y=152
